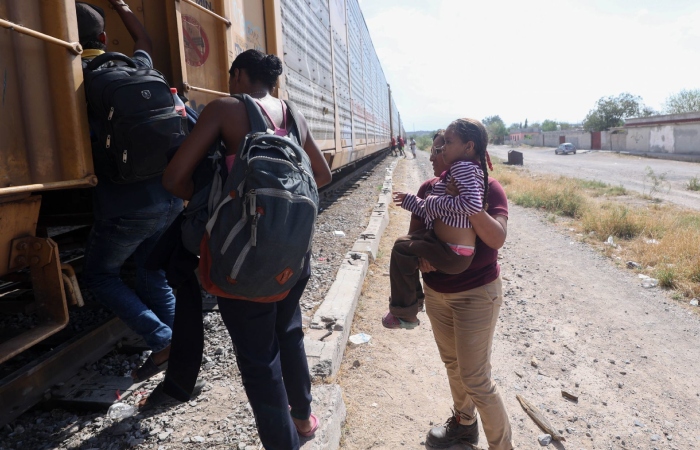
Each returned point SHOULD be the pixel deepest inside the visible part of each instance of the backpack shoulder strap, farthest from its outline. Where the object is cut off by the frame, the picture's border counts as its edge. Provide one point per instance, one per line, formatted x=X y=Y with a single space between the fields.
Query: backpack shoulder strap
x=258 y=124
x=294 y=112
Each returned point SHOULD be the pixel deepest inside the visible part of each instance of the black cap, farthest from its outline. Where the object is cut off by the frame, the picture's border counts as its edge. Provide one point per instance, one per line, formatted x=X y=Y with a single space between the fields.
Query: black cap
x=91 y=20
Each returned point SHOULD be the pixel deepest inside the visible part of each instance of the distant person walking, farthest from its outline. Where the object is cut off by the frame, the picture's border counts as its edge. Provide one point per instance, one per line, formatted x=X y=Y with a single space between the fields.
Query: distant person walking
x=401 y=144
x=393 y=146
x=413 y=147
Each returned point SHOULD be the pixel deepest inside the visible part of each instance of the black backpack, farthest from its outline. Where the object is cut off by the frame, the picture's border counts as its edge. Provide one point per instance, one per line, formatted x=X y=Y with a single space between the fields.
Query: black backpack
x=132 y=118
x=261 y=219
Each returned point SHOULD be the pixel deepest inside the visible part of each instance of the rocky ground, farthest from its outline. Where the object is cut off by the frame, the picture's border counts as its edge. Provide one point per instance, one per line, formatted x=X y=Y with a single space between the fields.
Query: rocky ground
x=221 y=416
x=572 y=320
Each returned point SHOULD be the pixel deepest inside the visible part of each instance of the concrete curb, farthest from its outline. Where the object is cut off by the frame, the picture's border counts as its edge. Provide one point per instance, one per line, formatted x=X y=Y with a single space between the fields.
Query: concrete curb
x=369 y=240
x=330 y=326
x=683 y=157
x=328 y=333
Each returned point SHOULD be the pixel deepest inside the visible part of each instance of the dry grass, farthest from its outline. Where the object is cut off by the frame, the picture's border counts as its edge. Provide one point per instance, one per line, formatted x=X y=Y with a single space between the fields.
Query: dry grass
x=664 y=239
x=693 y=184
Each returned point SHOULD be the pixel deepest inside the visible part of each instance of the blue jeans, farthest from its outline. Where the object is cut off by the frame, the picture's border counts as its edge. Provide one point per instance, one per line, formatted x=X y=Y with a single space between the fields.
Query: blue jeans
x=268 y=341
x=150 y=310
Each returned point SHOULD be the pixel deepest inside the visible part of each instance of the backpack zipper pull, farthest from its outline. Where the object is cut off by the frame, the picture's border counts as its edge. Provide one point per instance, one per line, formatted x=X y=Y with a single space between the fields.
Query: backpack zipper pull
x=111 y=113
x=254 y=230
x=109 y=139
x=124 y=157
x=253 y=203
x=253 y=212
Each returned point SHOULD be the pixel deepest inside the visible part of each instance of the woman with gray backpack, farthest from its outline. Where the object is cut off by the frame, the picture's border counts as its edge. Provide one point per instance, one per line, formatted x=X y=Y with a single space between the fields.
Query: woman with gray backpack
x=263 y=201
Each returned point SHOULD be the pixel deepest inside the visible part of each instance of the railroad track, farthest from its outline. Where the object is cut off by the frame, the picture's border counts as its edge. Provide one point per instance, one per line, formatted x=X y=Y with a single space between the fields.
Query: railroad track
x=344 y=179
x=24 y=385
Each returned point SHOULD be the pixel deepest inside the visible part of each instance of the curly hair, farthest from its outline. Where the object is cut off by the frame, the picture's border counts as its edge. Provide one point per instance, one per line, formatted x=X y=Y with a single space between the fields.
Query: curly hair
x=475 y=131
x=259 y=67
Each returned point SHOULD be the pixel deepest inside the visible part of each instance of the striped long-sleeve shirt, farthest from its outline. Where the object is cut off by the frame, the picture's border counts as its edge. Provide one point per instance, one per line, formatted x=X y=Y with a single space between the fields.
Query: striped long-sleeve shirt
x=453 y=211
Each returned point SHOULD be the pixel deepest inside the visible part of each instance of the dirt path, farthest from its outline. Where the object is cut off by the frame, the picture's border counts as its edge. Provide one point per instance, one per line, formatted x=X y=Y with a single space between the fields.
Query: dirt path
x=631 y=354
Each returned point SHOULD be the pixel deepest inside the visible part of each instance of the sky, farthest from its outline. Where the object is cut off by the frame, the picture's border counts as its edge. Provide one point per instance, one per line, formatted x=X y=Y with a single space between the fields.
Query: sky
x=535 y=59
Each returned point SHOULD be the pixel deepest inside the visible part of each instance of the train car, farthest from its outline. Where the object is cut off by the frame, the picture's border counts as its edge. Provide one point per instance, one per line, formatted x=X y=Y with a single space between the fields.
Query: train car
x=332 y=73
x=395 y=117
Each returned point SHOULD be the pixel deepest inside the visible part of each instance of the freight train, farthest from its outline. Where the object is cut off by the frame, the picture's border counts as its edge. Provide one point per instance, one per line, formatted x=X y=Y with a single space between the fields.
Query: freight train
x=332 y=73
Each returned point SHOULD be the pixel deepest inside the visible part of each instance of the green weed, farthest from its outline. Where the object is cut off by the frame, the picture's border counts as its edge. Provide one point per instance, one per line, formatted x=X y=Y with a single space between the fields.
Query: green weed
x=613 y=220
x=667 y=276
x=656 y=183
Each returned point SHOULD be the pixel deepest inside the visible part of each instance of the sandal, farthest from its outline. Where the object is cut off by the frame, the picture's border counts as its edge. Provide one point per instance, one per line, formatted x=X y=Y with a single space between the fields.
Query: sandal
x=393 y=322
x=148 y=369
x=158 y=398
x=314 y=427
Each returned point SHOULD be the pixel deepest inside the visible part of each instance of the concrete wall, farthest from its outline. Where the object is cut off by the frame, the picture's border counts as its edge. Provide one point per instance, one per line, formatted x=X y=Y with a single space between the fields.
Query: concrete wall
x=674 y=133
x=617 y=141
x=533 y=139
x=687 y=139
x=551 y=138
x=681 y=138
x=581 y=139
x=638 y=139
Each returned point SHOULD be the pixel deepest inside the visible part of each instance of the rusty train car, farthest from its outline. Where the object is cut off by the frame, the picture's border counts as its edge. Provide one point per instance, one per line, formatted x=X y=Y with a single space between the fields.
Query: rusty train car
x=332 y=73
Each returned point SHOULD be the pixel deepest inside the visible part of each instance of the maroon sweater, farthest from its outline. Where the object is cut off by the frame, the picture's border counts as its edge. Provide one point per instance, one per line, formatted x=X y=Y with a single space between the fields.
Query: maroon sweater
x=484 y=268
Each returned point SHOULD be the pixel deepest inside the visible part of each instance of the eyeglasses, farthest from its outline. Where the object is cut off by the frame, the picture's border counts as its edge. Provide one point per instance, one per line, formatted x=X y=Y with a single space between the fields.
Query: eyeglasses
x=437 y=150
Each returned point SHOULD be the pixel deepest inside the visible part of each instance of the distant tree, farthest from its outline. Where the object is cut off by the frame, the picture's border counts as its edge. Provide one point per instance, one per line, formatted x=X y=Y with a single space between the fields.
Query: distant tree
x=491 y=119
x=514 y=127
x=648 y=111
x=685 y=101
x=611 y=111
x=525 y=124
x=425 y=142
x=565 y=125
x=535 y=125
x=549 y=125
x=496 y=128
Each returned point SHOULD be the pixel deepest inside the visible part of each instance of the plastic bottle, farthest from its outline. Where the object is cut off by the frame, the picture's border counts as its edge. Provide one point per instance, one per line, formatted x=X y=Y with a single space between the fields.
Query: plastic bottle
x=119 y=411
x=179 y=105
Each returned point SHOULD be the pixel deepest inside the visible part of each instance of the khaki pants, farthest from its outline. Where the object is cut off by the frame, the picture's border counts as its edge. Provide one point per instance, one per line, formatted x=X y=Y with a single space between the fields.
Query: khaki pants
x=463 y=325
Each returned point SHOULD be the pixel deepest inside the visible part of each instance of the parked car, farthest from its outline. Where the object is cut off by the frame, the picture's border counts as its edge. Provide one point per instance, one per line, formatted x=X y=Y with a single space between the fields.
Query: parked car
x=565 y=149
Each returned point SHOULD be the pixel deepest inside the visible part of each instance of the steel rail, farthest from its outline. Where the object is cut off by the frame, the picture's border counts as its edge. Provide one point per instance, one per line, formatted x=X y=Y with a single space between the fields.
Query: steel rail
x=189 y=87
x=73 y=47
x=28 y=385
x=205 y=10
x=88 y=181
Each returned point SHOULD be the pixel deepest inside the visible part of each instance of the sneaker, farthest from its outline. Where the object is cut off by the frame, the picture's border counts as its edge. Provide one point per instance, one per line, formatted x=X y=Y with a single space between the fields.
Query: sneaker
x=452 y=433
x=391 y=321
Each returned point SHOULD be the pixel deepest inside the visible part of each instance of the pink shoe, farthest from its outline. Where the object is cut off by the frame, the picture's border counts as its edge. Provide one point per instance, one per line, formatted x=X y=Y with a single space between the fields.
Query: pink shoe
x=314 y=427
x=393 y=322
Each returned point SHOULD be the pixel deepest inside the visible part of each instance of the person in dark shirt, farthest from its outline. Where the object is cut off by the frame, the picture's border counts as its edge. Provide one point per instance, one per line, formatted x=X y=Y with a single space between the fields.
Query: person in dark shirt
x=129 y=220
x=268 y=338
x=463 y=311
